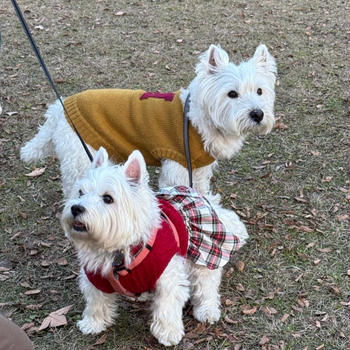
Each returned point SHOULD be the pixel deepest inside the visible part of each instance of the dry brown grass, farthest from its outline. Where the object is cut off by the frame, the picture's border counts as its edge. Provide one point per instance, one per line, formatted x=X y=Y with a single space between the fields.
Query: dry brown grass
x=291 y=187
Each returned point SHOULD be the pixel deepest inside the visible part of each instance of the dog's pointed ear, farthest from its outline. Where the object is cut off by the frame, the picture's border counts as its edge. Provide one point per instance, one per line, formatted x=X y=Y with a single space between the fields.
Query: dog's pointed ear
x=100 y=158
x=213 y=59
x=135 y=168
x=265 y=62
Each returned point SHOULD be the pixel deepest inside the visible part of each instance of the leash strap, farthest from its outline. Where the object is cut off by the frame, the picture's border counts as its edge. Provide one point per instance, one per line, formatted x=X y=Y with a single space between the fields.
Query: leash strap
x=186 y=141
x=43 y=66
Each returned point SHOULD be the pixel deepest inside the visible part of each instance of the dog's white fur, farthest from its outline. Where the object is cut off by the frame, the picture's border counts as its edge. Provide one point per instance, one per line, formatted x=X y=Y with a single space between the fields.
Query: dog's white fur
x=128 y=221
x=222 y=121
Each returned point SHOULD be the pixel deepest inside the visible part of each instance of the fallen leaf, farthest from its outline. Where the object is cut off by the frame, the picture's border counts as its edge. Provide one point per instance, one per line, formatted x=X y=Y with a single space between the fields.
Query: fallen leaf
x=324 y=250
x=284 y=317
x=325 y=318
x=240 y=287
x=62 y=262
x=344 y=217
x=316 y=262
x=264 y=340
x=298 y=309
x=34 y=306
x=320 y=313
x=32 y=292
x=336 y=290
x=314 y=212
x=306 y=303
x=70 y=277
x=327 y=179
x=45 y=244
x=299 y=277
x=26 y=326
x=229 y=302
x=25 y=285
x=101 y=340
x=229 y=272
x=45 y=263
x=33 y=252
x=269 y=310
x=304 y=228
x=36 y=172
x=315 y=153
x=240 y=265
x=10 y=114
x=249 y=311
x=301 y=199
x=280 y=126
x=320 y=347
x=228 y=320
x=23 y=215
x=310 y=245
x=59 y=81
x=55 y=319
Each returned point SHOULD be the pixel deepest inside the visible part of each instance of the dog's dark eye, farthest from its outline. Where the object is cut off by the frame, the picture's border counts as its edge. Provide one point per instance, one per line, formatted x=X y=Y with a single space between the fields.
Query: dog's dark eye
x=81 y=193
x=259 y=91
x=232 y=94
x=107 y=199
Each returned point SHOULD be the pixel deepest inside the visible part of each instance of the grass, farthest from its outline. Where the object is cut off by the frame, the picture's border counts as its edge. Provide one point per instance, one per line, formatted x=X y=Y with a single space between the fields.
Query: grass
x=291 y=187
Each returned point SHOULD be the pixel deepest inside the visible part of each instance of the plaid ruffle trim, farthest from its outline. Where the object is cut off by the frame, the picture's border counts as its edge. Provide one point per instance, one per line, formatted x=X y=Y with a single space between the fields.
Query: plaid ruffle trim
x=210 y=244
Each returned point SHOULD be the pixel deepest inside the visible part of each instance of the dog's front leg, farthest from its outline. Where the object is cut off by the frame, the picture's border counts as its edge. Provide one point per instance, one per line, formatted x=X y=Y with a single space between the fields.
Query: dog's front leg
x=100 y=309
x=171 y=294
x=174 y=174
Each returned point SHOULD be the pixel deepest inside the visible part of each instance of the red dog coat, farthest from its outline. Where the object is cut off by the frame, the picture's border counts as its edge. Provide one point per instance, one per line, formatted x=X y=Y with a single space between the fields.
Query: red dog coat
x=150 y=261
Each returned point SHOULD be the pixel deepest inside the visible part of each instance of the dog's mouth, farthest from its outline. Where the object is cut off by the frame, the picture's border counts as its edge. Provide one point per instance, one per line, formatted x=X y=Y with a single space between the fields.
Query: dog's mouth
x=78 y=226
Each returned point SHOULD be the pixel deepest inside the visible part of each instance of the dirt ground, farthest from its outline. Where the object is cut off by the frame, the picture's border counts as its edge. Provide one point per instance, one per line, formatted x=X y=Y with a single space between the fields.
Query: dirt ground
x=288 y=288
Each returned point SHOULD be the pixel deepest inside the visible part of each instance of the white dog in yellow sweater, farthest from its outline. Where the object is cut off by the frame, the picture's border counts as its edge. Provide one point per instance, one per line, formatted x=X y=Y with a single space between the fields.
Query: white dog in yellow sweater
x=227 y=102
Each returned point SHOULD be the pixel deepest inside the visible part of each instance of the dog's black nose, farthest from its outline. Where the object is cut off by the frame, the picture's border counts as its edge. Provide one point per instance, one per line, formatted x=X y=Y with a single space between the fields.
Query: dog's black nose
x=257 y=115
x=77 y=209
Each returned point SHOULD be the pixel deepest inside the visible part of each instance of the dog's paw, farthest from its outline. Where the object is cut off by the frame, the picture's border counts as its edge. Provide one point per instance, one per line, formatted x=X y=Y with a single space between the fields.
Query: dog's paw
x=167 y=333
x=89 y=325
x=205 y=313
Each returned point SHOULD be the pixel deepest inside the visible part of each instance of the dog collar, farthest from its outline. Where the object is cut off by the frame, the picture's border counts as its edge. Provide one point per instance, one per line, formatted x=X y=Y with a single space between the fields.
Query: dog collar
x=140 y=251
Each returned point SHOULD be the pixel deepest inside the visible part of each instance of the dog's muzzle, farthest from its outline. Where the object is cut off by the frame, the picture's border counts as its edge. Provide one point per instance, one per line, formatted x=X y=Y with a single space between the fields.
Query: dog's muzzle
x=257 y=115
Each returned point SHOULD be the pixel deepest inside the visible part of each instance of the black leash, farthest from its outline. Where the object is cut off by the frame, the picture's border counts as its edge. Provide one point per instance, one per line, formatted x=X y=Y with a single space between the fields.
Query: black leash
x=186 y=143
x=42 y=63
x=43 y=66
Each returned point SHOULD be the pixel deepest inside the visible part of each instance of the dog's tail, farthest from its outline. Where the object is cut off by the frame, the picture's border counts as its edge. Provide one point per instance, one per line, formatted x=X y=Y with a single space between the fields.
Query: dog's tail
x=41 y=145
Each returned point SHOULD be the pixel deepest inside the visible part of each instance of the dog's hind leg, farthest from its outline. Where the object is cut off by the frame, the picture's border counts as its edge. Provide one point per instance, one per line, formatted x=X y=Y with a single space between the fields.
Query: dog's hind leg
x=205 y=296
x=100 y=309
x=172 y=292
x=41 y=145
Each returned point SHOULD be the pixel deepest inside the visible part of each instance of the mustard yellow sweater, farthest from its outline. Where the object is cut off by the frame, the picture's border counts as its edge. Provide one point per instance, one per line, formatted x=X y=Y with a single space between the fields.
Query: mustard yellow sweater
x=124 y=120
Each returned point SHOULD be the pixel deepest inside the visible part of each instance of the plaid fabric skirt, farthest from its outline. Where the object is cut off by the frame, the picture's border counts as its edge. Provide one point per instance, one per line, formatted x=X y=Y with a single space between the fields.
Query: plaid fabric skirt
x=210 y=244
